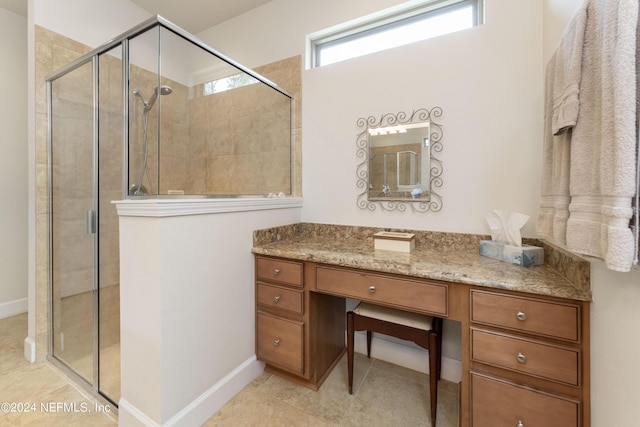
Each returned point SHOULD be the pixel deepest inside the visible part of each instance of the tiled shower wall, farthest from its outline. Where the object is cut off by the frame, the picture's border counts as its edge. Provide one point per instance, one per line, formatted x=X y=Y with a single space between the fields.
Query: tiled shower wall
x=238 y=145
x=182 y=151
x=227 y=143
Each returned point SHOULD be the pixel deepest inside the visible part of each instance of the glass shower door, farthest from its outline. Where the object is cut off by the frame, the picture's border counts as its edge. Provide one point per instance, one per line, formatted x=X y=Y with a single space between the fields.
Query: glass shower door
x=73 y=221
x=110 y=187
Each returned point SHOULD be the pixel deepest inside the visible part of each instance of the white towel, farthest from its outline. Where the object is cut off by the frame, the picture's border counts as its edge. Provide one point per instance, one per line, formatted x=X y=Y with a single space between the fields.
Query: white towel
x=603 y=144
x=562 y=88
x=554 y=204
x=567 y=72
x=596 y=155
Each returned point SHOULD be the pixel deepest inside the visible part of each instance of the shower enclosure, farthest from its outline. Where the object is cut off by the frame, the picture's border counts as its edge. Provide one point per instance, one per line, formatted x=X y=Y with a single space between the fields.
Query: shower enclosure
x=154 y=113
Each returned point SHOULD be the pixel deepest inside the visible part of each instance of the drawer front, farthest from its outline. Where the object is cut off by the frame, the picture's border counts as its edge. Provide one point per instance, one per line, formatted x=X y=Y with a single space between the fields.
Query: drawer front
x=496 y=402
x=403 y=293
x=280 y=342
x=524 y=314
x=282 y=298
x=276 y=270
x=534 y=358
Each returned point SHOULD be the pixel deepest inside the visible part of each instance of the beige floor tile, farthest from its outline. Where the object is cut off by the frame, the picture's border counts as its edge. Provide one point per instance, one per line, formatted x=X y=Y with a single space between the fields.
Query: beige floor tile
x=256 y=407
x=384 y=395
x=39 y=394
x=384 y=399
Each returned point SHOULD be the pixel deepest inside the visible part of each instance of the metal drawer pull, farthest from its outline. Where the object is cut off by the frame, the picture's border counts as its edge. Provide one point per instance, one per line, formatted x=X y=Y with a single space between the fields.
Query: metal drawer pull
x=276 y=299
x=520 y=424
x=276 y=343
x=372 y=289
x=276 y=271
x=521 y=358
x=521 y=316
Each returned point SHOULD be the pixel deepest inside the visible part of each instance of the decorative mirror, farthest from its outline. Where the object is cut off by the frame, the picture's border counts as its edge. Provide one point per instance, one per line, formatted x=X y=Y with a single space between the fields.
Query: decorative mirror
x=398 y=167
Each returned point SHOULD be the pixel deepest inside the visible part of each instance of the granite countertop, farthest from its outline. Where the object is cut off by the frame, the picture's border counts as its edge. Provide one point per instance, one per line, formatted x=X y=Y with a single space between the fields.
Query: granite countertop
x=450 y=257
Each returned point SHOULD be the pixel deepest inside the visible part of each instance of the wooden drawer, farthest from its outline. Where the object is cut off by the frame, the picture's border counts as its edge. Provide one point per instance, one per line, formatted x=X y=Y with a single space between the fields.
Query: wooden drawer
x=535 y=316
x=282 y=298
x=280 y=342
x=526 y=356
x=403 y=293
x=495 y=402
x=277 y=270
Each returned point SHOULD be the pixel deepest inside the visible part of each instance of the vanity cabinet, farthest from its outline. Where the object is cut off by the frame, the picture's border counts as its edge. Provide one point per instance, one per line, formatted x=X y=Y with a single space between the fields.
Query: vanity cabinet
x=286 y=337
x=529 y=360
x=525 y=356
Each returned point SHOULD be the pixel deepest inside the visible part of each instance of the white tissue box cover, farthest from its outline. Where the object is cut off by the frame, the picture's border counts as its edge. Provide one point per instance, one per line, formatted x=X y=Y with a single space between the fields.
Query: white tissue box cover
x=524 y=255
x=394 y=241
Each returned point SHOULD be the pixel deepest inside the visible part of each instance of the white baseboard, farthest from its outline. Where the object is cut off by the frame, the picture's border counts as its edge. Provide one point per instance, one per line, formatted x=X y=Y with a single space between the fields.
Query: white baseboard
x=30 y=350
x=202 y=408
x=12 y=308
x=412 y=357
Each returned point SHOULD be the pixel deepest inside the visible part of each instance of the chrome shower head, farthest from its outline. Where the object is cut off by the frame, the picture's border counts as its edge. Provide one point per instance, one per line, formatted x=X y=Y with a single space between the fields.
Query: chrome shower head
x=164 y=90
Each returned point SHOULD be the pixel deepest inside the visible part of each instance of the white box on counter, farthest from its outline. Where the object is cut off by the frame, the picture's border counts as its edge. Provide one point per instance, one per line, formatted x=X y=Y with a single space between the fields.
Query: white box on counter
x=394 y=241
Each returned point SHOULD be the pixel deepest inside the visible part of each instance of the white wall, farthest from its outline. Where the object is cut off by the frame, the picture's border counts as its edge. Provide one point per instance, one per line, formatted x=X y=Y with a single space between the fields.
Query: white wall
x=615 y=318
x=187 y=312
x=13 y=163
x=479 y=77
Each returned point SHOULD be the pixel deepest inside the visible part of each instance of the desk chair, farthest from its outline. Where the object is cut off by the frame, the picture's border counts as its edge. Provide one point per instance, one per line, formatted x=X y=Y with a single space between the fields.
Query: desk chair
x=425 y=331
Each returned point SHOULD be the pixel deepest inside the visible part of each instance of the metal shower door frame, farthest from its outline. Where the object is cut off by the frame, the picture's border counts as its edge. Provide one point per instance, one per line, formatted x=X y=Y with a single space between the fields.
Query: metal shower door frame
x=91 y=225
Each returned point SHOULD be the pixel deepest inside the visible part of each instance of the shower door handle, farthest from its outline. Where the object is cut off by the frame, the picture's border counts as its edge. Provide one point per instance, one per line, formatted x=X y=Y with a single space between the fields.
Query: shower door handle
x=91 y=222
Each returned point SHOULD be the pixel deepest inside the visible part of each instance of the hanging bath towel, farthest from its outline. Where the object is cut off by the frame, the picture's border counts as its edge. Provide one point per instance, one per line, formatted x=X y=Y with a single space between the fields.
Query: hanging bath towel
x=600 y=148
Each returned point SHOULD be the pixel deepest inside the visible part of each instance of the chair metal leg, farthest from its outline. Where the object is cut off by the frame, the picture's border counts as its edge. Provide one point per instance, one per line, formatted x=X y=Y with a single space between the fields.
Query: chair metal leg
x=369 y=335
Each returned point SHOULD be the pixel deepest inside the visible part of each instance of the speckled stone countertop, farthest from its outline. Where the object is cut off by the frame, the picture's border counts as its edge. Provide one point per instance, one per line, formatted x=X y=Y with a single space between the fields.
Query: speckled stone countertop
x=451 y=257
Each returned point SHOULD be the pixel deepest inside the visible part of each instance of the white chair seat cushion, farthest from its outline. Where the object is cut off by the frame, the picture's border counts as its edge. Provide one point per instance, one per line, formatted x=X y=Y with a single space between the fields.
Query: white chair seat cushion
x=392 y=315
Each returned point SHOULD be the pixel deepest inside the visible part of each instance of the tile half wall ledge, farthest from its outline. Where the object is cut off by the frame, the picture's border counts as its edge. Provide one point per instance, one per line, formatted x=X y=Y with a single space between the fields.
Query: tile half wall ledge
x=202 y=206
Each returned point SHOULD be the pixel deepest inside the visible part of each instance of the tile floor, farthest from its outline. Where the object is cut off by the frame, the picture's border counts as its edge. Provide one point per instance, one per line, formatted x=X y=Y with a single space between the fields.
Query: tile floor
x=384 y=395
x=39 y=394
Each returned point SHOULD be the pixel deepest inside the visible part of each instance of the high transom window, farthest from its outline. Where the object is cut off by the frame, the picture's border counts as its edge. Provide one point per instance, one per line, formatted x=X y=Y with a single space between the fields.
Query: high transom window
x=408 y=23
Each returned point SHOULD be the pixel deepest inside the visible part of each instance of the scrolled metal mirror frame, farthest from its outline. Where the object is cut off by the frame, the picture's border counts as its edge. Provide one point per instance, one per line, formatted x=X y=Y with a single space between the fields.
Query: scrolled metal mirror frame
x=434 y=203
